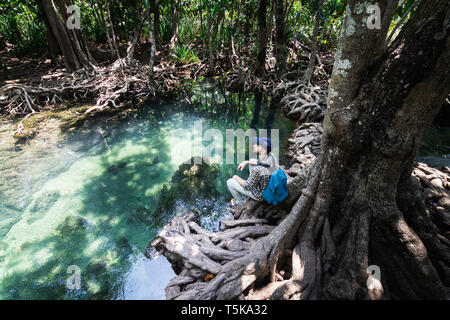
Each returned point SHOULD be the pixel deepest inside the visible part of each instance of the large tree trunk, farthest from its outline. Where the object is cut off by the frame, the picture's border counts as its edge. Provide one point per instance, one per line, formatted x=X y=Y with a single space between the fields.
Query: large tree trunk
x=53 y=46
x=357 y=205
x=280 y=39
x=69 y=42
x=262 y=38
x=76 y=36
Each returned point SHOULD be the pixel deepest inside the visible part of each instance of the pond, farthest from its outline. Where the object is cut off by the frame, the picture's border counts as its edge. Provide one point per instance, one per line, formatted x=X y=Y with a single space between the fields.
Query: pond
x=87 y=201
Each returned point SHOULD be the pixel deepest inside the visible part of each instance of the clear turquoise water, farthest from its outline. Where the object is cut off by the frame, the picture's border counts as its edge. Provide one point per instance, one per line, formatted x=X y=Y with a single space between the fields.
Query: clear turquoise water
x=71 y=198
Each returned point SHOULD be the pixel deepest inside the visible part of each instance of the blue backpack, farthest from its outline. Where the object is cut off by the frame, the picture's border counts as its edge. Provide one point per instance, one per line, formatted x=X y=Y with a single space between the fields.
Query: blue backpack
x=277 y=190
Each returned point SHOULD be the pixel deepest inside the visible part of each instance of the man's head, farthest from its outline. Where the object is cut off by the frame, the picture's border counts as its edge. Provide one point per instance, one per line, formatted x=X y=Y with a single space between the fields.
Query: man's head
x=262 y=145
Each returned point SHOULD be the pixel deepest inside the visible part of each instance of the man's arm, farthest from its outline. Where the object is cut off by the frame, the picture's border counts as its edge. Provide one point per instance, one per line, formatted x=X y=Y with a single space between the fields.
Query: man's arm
x=252 y=179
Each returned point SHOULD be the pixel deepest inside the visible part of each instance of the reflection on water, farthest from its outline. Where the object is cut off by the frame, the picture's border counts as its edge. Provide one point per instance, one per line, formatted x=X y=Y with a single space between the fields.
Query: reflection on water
x=140 y=284
x=89 y=198
x=435 y=148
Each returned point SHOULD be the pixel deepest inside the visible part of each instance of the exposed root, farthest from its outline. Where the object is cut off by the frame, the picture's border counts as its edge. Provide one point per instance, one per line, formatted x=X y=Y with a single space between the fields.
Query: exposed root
x=245 y=80
x=304 y=146
x=304 y=102
x=237 y=257
x=107 y=86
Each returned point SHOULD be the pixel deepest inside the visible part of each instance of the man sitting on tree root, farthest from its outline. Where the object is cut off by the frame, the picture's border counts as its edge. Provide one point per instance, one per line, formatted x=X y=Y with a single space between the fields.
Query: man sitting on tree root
x=260 y=172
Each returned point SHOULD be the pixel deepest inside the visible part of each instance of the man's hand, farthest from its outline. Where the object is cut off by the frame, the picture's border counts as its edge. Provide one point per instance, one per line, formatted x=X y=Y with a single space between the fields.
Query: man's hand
x=242 y=165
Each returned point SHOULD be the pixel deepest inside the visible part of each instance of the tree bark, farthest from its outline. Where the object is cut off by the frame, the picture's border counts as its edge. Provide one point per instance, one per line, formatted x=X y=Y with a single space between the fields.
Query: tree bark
x=76 y=36
x=156 y=22
x=53 y=46
x=105 y=26
x=73 y=56
x=371 y=133
x=280 y=42
x=136 y=33
x=113 y=34
x=152 y=40
x=262 y=39
x=174 y=37
x=209 y=26
x=312 y=57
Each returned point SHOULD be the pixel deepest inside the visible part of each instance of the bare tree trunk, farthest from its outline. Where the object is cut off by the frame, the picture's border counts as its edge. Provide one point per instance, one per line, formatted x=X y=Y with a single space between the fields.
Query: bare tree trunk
x=174 y=37
x=111 y=27
x=105 y=27
x=136 y=34
x=280 y=42
x=312 y=57
x=262 y=39
x=232 y=48
x=152 y=40
x=157 y=23
x=80 y=45
x=239 y=39
x=53 y=46
x=270 y=26
x=210 y=44
x=73 y=60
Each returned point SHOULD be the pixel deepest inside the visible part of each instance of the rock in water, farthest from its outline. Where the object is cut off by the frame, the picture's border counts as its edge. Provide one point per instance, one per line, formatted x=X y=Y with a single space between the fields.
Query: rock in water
x=140 y=215
x=190 y=183
x=115 y=168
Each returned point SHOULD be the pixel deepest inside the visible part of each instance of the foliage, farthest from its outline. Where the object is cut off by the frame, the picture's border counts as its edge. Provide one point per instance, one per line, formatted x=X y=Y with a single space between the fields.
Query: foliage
x=21 y=22
x=184 y=54
x=21 y=26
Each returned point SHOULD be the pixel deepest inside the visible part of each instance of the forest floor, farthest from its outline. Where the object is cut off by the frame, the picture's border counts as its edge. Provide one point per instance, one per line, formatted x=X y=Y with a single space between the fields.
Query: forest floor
x=37 y=83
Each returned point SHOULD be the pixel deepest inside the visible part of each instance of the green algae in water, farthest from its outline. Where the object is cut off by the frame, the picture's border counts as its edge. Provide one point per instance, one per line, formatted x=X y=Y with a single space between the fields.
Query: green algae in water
x=93 y=201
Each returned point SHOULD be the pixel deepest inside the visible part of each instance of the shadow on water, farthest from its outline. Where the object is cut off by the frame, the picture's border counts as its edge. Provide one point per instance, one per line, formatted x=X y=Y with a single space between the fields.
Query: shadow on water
x=114 y=217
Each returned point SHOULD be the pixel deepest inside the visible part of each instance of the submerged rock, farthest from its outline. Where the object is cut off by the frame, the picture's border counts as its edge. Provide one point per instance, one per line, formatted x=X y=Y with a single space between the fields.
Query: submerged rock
x=72 y=225
x=124 y=247
x=140 y=215
x=115 y=168
x=189 y=183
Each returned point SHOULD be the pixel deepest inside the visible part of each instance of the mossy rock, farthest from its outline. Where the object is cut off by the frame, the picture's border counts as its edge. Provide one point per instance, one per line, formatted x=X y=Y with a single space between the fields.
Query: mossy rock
x=72 y=226
x=96 y=269
x=190 y=182
x=124 y=247
x=140 y=215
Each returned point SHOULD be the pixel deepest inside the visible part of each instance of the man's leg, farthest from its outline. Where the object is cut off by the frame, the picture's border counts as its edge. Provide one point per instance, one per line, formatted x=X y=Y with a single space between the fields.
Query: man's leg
x=238 y=192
